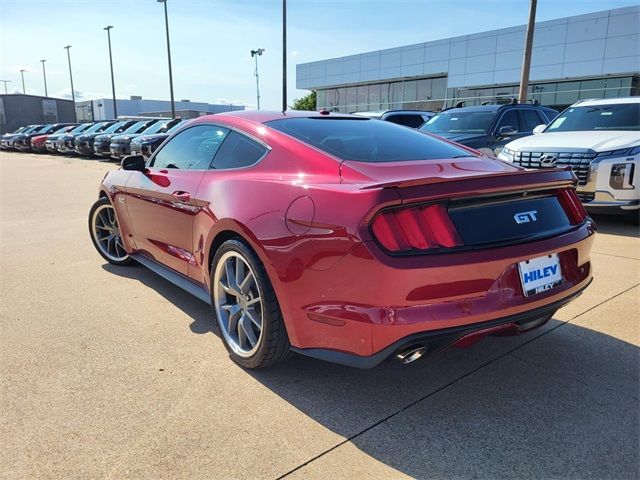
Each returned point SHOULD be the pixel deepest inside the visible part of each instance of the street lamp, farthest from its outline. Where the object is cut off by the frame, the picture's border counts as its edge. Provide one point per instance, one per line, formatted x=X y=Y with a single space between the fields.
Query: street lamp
x=284 y=55
x=44 y=75
x=22 y=70
x=73 y=93
x=166 y=22
x=255 y=54
x=113 y=84
x=5 y=85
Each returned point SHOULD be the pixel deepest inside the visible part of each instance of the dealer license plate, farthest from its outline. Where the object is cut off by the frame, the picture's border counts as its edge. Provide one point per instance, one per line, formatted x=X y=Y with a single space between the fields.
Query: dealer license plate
x=540 y=274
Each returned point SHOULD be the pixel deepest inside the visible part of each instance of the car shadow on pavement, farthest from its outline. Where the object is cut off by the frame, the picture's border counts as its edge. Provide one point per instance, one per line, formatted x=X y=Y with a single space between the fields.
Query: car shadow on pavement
x=626 y=226
x=561 y=401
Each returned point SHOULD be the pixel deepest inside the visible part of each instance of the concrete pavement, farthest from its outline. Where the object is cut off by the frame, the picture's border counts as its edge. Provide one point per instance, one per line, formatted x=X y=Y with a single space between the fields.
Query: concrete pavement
x=113 y=373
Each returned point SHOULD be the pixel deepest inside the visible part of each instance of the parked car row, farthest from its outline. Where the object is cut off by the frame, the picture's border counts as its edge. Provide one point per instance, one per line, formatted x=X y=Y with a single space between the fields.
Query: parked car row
x=106 y=139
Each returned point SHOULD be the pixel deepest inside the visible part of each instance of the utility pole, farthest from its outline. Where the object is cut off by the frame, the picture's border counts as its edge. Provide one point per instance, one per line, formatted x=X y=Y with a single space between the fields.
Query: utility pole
x=284 y=55
x=166 y=23
x=5 y=85
x=113 y=83
x=22 y=70
x=526 y=62
x=255 y=54
x=73 y=92
x=44 y=75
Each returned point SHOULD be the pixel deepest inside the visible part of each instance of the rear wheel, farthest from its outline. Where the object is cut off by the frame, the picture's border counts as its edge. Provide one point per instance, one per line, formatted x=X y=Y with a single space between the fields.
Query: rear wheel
x=105 y=233
x=246 y=307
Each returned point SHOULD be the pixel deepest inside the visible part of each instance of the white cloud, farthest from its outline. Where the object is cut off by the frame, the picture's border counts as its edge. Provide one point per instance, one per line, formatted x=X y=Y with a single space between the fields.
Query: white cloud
x=248 y=106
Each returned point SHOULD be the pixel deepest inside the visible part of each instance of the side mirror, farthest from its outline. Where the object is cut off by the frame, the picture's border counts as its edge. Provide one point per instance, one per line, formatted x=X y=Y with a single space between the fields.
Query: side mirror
x=507 y=131
x=134 y=162
x=539 y=129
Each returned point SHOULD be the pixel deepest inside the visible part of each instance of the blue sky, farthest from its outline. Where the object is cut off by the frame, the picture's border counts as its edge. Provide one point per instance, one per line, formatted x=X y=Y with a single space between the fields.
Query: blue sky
x=211 y=40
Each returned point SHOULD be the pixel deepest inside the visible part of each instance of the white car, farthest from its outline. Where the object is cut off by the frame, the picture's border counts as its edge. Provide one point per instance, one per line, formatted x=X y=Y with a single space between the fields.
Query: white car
x=600 y=140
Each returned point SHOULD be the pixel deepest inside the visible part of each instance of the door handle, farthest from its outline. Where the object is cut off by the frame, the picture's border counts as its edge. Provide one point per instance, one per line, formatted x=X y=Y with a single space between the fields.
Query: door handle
x=182 y=197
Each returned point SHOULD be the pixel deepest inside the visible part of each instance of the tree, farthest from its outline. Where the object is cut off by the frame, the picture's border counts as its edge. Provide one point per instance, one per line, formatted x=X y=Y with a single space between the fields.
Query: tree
x=307 y=102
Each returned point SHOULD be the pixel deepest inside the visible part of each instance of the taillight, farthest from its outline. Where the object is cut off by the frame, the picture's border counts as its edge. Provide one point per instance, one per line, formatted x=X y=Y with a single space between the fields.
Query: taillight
x=572 y=206
x=415 y=229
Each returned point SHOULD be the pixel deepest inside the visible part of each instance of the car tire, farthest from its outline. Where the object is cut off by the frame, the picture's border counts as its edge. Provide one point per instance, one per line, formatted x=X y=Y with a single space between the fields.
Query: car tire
x=247 y=309
x=105 y=233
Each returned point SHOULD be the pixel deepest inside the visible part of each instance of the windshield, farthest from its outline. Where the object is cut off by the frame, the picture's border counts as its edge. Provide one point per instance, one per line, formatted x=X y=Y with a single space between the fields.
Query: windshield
x=80 y=128
x=21 y=130
x=115 y=127
x=620 y=116
x=175 y=127
x=64 y=129
x=158 y=127
x=456 y=121
x=136 y=126
x=367 y=140
x=97 y=127
x=33 y=128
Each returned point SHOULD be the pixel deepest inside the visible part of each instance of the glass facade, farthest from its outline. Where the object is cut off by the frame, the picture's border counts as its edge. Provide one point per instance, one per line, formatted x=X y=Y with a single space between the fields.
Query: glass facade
x=433 y=94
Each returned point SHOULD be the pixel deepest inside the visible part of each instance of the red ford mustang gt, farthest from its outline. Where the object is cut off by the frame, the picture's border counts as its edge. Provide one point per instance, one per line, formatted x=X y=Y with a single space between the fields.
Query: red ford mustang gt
x=345 y=238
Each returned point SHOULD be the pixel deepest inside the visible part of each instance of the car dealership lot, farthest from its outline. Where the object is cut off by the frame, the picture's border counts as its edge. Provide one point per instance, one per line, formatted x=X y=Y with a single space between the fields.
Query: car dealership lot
x=113 y=372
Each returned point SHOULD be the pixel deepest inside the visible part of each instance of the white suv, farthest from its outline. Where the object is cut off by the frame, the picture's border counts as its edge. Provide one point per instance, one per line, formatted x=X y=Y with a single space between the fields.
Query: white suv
x=600 y=140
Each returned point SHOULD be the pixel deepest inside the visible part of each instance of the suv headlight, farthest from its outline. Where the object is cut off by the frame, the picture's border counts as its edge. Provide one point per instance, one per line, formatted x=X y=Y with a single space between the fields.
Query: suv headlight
x=506 y=154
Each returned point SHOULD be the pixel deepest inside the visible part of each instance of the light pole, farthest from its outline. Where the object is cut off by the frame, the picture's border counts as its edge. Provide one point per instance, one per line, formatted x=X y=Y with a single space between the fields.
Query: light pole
x=166 y=23
x=44 y=75
x=73 y=93
x=22 y=70
x=113 y=84
x=284 y=55
x=5 y=85
x=526 y=61
x=255 y=54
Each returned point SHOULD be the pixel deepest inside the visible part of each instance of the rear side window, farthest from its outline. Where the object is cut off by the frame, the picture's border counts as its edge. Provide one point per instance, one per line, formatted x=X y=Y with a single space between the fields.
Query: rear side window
x=408 y=120
x=366 y=140
x=237 y=151
x=530 y=119
x=193 y=148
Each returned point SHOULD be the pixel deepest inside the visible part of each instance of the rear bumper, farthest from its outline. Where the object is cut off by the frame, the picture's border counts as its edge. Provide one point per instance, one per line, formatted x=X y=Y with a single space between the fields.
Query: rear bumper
x=438 y=340
x=368 y=301
x=605 y=202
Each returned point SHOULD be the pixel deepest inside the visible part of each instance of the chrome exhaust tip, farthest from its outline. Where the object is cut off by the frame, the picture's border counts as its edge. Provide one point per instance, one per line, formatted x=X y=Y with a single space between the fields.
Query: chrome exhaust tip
x=411 y=354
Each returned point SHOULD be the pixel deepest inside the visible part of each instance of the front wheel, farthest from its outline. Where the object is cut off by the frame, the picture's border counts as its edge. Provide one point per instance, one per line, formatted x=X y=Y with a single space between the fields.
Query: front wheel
x=246 y=307
x=105 y=233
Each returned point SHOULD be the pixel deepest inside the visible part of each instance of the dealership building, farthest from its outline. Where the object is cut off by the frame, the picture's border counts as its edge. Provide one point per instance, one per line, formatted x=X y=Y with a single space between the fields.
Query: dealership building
x=596 y=55
x=102 y=108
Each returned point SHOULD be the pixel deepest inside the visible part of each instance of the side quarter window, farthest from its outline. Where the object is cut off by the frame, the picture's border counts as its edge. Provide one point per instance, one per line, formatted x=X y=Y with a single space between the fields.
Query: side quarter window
x=530 y=119
x=509 y=119
x=237 y=151
x=193 y=148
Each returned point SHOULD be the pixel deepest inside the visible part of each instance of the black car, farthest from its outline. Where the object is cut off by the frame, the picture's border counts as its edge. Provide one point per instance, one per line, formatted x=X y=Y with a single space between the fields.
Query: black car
x=102 y=143
x=23 y=141
x=6 y=141
x=51 y=143
x=120 y=144
x=488 y=128
x=84 y=144
x=148 y=142
x=408 y=118
x=66 y=143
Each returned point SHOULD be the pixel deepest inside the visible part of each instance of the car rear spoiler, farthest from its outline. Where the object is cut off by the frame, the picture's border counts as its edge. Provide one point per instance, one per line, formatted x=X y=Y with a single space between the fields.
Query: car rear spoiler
x=475 y=185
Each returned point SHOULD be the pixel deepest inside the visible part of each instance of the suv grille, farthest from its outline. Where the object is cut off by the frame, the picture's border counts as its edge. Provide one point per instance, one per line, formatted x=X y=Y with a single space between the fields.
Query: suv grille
x=586 y=196
x=579 y=162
